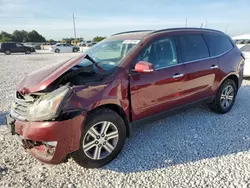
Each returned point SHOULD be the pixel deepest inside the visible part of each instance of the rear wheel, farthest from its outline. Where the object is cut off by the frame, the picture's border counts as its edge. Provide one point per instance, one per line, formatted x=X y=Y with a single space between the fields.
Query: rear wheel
x=225 y=97
x=75 y=50
x=103 y=137
x=57 y=51
x=27 y=52
x=7 y=52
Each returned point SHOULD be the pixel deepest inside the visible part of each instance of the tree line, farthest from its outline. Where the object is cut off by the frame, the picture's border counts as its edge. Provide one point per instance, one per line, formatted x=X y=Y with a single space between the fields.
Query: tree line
x=21 y=36
x=34 y=36
x=70 y=40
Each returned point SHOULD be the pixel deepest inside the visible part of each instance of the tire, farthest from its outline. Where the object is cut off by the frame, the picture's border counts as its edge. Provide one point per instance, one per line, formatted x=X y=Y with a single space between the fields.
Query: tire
x=7 y=52
x=224 y=102
x=97 y=119
x=57 y=51
x=75 y=50
x=27 y=52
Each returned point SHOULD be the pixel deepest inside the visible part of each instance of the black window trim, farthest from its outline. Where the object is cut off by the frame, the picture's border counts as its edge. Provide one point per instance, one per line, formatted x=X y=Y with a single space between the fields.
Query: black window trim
x=210 y=56
x=179 y=60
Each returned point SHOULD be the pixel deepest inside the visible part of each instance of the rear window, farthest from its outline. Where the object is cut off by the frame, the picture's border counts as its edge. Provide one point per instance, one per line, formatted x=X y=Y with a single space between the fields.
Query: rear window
x=192 y=47
x=218 y=44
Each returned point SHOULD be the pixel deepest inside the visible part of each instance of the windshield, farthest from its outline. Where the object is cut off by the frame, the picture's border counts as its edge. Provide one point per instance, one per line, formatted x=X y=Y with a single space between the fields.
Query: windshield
x=108 y=54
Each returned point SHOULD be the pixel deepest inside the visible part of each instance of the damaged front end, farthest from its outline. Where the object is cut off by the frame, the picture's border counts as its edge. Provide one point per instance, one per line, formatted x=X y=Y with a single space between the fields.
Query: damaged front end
x=48 y=122
x=41 y=126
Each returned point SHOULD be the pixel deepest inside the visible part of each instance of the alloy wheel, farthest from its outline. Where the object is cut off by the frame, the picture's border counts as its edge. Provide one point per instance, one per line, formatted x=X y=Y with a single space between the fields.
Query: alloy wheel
x=227 y=96
x=100 y=140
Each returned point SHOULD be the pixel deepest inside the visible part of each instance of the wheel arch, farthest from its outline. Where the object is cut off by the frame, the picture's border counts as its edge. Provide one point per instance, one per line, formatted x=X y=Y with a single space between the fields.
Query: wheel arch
x=119 y=110
x=233 y=77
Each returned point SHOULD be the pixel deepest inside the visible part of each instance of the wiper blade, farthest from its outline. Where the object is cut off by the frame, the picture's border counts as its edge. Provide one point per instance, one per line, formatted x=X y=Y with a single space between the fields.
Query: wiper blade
x=94 y=62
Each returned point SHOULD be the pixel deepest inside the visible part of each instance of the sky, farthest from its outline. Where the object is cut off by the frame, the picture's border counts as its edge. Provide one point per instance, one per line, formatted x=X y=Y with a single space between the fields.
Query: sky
x=53 y=18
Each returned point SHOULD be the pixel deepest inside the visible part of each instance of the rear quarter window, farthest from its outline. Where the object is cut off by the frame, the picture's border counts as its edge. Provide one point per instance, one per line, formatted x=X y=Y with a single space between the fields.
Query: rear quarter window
x=218 y=44
x=192 y=47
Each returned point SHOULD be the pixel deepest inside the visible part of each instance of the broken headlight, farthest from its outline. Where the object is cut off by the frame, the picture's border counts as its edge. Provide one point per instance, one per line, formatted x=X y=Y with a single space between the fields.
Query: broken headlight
x=46 y=107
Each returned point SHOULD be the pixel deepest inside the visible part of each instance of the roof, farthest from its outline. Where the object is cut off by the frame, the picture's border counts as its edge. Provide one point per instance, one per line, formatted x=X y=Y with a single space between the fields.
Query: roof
x=131 y=34
x=139 y=34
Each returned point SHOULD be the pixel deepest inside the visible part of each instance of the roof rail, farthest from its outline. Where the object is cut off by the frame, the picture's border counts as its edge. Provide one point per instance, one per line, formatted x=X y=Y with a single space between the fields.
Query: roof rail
x=136 y=31
x=186 y=28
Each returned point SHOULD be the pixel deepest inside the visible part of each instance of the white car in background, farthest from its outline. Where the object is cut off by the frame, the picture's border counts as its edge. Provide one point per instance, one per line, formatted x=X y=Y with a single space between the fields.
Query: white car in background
x=64 y=48
x=246 y=51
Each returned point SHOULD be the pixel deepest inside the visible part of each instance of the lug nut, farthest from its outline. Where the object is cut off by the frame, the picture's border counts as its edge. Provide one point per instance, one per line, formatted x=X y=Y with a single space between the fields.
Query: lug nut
x=106 y=138
x=96 y=142
x=100 y=145
x=104 y=143
x=103 y=135
x=98 y=137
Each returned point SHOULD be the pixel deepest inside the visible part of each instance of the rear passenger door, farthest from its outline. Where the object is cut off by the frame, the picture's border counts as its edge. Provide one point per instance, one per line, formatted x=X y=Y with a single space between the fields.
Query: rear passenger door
x=20 y=48
x=200 y=69
x=68 y=48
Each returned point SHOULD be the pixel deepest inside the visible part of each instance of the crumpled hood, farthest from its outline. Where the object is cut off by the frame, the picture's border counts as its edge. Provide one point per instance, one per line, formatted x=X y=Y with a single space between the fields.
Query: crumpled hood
x=40 y=79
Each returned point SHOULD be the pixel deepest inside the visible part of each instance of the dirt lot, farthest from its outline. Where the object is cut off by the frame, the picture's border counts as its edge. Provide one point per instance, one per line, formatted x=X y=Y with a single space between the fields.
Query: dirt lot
x=196 y=148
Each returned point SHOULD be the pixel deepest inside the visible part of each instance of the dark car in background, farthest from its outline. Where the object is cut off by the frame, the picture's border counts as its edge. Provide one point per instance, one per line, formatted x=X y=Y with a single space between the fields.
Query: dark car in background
x=12 y=47
x=86 y=105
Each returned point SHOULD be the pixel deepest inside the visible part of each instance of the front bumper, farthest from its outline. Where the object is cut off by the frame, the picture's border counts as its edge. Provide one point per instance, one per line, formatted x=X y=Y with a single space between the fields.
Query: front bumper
x=33 y=136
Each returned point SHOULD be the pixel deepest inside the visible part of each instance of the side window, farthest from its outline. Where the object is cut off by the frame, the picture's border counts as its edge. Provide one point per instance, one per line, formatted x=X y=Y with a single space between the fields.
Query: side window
x=192 y=47
x=218 y=44
x=19 y=45
x=161 y=53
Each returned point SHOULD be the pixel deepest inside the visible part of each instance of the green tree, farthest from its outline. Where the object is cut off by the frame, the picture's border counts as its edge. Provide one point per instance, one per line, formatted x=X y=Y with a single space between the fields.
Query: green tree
x=34 y=36
x=5 y=37
x=98 y=39
x=20 y=36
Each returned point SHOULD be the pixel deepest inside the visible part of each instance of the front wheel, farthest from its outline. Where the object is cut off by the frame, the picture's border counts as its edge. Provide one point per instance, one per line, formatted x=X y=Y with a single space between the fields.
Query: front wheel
x=225 y=97
x=102 y=139
x=75 y=50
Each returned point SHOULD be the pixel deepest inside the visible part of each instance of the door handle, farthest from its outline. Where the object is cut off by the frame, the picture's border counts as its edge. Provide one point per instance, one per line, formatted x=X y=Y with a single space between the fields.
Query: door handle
x=178 y=75
x=214 y=67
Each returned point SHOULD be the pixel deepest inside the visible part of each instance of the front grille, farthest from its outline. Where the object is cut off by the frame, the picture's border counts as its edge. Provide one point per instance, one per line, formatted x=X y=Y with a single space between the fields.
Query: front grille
x=19 y=109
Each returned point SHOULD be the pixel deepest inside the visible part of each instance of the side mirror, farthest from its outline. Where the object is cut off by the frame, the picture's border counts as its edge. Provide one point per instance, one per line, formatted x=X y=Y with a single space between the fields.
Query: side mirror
x=144 y=66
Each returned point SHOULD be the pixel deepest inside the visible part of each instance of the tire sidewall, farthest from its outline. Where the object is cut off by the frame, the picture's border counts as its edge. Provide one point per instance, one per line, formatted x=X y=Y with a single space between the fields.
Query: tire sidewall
x=103 y=115
x=7 y=52
x=225 y=84
x=27 y=51
x=57 y=51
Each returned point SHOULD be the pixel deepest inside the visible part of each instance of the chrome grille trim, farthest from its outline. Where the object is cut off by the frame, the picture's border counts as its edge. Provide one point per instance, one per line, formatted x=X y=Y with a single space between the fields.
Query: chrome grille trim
x=19 y=110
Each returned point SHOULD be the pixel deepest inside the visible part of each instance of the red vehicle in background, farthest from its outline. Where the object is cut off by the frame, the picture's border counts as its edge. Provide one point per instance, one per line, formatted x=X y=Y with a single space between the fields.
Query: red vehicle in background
x=85 y=105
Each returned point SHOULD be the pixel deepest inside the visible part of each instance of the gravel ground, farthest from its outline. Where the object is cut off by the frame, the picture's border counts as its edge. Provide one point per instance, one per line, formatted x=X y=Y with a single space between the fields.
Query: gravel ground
x=196 y=148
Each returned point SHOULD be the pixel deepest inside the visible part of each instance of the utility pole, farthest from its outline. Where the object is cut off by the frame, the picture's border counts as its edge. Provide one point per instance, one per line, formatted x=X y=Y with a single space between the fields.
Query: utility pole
x=186 y=21
x=201 y=25
x=206 y=24
x=74 y=25
x=226 y=29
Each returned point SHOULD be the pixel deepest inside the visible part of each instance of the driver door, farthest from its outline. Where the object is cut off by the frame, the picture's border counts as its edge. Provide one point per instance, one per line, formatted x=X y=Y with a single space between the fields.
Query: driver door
x=161 y=89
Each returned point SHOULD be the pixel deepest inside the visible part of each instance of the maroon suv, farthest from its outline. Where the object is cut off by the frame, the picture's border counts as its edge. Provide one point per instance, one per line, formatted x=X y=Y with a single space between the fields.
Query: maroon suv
x=85 y=106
